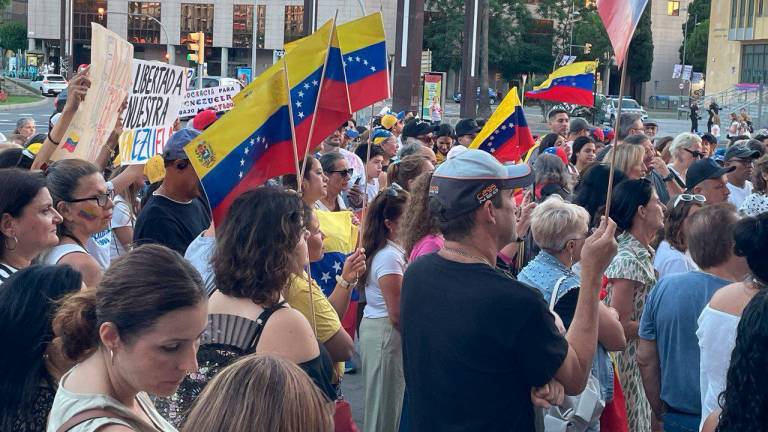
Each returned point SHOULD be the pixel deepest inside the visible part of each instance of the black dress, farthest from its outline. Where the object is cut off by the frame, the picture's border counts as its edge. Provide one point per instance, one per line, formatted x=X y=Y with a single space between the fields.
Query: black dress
x=226 y=339
x=33 y=417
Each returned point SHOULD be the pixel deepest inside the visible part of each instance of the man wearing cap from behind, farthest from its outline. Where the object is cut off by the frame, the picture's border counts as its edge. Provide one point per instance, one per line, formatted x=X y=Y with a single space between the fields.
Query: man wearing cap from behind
x=466 y=131
x=176 y=213
x=741 y=158
x=706 y=177
x=480 y=348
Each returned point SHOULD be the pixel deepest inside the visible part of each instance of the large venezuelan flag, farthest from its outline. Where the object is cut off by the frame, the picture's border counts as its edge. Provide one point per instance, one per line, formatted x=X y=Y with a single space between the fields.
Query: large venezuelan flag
x=573 y=83
x=364 y=49
x=506 y=134
x=620 y=18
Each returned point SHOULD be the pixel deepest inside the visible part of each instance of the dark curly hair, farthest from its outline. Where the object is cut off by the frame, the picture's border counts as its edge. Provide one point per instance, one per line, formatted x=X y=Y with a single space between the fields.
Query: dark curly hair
x=255 y=244
x=416 y=222
x=674 y=220
x=745 y=399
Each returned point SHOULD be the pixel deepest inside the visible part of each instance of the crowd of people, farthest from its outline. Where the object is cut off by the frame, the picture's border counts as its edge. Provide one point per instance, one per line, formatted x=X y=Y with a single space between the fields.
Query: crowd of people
x=610 y=280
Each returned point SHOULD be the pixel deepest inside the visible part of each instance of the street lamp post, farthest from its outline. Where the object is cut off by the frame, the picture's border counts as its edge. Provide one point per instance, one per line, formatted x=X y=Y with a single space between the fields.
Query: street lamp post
x=169 y=46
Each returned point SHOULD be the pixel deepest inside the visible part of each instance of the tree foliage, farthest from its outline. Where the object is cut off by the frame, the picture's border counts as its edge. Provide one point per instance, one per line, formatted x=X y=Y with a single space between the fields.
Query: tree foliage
x=697 y=40
x=640 y=55
x=13 y=35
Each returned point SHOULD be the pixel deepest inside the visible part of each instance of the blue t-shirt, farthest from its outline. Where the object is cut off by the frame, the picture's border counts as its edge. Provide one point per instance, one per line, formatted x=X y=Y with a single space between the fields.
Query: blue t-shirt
x=670 y=318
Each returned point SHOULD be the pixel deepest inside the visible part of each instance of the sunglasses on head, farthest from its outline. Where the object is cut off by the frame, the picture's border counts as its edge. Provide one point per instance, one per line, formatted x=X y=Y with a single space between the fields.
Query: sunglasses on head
x=695 y=154
x=701 y=199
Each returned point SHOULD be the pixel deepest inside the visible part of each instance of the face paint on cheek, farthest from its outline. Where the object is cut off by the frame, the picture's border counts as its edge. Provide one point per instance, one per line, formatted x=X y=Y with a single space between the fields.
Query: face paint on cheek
x=87 y=215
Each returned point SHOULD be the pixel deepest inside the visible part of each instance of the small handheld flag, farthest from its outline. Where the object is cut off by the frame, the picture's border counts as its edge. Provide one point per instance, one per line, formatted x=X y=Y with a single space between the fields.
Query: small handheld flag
x=506 y=134
x=573 y=83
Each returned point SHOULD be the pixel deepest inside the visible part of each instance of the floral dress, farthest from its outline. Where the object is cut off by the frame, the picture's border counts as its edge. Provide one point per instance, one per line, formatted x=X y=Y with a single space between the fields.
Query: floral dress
x=633 y=262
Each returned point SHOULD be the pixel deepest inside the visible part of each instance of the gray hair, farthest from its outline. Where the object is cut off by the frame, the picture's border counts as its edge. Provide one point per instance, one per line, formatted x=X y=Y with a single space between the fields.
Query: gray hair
x=627 y=120
x=683 y=141
x=551 y=169
x=554 y=222
x=20 y=123
x=328 y=160
x=410 y=148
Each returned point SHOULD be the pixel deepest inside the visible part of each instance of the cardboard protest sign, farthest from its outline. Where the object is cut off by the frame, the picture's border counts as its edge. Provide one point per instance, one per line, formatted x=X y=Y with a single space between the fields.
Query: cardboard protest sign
x=110 y=76
x=157 y=94
x=218 y=99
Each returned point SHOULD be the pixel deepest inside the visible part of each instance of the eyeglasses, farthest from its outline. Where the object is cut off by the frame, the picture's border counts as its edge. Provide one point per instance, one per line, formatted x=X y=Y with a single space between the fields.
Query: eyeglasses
x=688 y=198
x=101 y=199
x=344 y=173
x=694 y=153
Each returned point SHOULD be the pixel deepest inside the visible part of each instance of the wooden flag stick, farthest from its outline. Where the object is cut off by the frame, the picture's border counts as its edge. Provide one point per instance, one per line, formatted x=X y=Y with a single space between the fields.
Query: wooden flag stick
x=615 y=140
x=299 y=172
x=319 y=91
x=365 y=180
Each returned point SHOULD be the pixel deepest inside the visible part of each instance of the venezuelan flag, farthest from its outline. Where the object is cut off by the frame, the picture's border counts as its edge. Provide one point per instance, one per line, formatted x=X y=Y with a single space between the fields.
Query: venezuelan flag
x=506 y=134
x=573 y=83
x=340 y=240
x=364 y=50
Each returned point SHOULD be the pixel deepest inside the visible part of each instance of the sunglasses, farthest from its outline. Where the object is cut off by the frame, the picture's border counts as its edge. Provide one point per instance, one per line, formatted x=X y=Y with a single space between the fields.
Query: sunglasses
x=344 y=173
x=101 y=199
x=695 y=154
x=688 y=198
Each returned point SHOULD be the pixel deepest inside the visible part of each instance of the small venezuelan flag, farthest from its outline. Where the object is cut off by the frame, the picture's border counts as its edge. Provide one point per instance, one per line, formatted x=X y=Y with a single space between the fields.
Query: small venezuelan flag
x=573 y=83
x=506 y=134
x=364 y=49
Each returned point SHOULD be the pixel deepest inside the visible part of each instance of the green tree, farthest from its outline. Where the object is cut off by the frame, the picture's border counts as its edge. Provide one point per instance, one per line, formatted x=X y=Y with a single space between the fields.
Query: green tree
x=4 y=4
x=443 y=32
x=697 y=39
x=13 y=35
x=640 y=55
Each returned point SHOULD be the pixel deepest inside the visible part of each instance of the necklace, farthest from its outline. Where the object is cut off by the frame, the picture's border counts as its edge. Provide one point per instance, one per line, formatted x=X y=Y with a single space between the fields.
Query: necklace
x=466 y=254
x=158 y=193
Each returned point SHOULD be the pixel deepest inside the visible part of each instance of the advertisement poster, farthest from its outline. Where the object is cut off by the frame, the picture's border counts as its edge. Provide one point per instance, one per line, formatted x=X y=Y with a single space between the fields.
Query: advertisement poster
x=157 y=94
x=218 y=99
x=433 y=99
x=245 y=75
x=110 y=75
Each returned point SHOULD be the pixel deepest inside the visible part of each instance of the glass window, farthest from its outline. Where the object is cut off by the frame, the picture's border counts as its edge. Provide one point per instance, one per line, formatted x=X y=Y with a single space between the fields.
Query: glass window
x=734 y=13
x=294 y=23
x=84 y=12
x=242 y=26
x=750 y=12
x=196 y=18
x=673 y=8
x=754 y=67
x=742 y=12
x=141 y=28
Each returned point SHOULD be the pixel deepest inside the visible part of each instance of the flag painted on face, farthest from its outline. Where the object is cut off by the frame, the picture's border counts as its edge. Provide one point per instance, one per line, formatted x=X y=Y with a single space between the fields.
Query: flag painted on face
x=364 y=51
x=573 y=84
x=506 y=134
x=620 y=18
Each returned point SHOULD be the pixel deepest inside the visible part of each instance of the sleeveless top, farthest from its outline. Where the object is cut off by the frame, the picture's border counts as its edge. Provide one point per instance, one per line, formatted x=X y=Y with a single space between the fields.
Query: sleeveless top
x=226 y=339
x=67 y=404
x=57 y=252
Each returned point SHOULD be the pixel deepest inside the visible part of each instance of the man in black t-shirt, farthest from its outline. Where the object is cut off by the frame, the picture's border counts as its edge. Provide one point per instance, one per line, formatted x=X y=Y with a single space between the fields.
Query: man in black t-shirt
x=176 y=213
x=479 y=348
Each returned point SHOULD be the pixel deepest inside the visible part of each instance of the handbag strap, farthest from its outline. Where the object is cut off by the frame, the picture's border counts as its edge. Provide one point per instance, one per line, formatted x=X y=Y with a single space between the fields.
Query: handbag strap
x=261 y=322
x=84 y=416
x=553 y=298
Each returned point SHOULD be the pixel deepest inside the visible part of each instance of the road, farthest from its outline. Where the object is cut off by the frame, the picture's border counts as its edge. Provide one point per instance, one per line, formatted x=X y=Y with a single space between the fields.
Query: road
x=41 y=114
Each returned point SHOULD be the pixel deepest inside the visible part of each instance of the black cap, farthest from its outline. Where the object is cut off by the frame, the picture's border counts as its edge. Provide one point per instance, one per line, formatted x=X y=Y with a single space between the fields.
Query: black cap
x=416 y=128
x=444 y=130
x=467 y=127
x=704 y=169
x=741 y=151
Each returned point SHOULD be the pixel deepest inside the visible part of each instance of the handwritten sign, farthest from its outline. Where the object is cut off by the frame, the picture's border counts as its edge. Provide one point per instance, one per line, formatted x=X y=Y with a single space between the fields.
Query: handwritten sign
x=216 y=98
x=157 y=94
x=95 y=118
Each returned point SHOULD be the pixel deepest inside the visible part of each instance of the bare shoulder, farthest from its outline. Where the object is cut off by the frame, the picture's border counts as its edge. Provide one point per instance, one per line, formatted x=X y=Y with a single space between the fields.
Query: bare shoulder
x=289 y=334
x=731 y=298
x=114 y=428
x=710 y=425
x=80 y=260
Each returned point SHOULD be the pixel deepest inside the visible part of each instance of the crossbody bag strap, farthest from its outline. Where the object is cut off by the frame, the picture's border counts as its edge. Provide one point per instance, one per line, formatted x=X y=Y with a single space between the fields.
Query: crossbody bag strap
x=553 y=298
x=84 y=416
x=261 y=321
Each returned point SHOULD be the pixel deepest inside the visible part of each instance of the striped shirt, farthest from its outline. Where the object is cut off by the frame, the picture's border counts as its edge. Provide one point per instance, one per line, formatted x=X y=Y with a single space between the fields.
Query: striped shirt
x=5 y=272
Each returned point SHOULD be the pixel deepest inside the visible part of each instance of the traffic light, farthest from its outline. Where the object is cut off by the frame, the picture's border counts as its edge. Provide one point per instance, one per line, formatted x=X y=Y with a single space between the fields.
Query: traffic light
x=196 y=47
x=587 y=48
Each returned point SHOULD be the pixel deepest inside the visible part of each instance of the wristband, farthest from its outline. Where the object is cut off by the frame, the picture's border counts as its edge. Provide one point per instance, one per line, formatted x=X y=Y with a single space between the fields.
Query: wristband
x=51 y=139
x=344 y=284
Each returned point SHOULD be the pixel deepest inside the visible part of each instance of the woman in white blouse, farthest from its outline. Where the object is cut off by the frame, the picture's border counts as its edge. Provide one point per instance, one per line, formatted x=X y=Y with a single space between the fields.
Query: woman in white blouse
x=672 y=254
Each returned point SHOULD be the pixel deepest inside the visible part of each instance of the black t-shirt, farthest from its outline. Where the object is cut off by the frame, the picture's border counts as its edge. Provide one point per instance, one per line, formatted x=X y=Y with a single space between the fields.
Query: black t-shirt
x=171 y=224
x=474 y=343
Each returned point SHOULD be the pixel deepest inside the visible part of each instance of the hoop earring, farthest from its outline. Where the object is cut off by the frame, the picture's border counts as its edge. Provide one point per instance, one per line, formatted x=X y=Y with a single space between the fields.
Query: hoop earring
x=112 y=357
x=8 y=248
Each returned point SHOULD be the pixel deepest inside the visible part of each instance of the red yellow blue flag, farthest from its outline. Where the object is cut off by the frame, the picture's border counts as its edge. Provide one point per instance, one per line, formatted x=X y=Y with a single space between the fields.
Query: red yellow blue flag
x=363 y=47
x=506 y=134
x=573 y=83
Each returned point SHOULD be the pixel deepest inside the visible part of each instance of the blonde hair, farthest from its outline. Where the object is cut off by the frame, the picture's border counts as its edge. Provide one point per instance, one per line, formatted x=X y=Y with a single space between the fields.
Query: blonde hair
x=261 y=393
x=627 y=156
x=683 y=141
x=554 y=222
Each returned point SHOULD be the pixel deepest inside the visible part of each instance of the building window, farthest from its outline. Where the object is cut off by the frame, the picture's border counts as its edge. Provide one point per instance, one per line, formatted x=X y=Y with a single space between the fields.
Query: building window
x=294 y=23
x=242 y=26
x=673 y=8
x=84 y=12
x=197 y=18
x=754 y=64
x=750 y=13
x=141 y=28
x=734 y=13
x=742 y=12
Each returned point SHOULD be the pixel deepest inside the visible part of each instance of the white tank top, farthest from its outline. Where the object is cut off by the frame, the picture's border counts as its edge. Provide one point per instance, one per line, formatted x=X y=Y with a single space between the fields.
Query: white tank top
x=57 y=252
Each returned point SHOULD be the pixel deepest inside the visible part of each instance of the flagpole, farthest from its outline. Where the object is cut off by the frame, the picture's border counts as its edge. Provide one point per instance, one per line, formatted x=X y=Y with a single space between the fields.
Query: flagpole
x=320 y=90
x=616 y=139
x=365 y=180
x=299 y=178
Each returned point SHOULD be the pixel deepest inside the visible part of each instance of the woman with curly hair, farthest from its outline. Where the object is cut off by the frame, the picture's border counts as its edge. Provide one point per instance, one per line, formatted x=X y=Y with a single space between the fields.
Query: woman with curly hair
x=671 y=255
x=719 y=325
x=744 y=402
x=418 y=234
x=259 y=246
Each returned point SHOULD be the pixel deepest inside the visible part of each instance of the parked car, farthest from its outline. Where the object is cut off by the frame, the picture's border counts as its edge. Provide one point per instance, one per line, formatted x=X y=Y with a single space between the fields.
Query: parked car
x=491 y=95
x=215 y=81
x=628 y=105
x=49 y=84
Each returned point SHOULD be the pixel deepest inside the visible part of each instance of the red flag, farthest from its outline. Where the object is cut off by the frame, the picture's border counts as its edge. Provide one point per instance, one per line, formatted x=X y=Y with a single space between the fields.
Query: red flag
x=620 y=18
